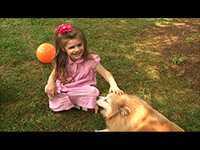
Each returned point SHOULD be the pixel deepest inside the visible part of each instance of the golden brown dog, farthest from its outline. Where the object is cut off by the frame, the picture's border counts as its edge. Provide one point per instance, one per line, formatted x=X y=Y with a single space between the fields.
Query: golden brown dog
x=130 y=113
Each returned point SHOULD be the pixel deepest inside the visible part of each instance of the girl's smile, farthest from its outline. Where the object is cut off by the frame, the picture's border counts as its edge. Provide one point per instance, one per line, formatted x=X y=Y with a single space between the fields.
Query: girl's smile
x=74 y=49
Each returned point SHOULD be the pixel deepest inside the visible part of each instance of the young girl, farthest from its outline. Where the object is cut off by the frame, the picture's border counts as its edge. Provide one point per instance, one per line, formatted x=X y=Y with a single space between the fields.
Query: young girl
x=72 y=83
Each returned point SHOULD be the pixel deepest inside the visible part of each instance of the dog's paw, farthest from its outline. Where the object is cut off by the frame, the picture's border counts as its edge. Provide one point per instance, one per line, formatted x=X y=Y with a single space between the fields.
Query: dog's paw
x=104 y=130
x=97 y=131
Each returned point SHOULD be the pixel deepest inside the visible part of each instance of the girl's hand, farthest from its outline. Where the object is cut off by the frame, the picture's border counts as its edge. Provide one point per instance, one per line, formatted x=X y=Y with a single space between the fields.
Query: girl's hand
x=50 y=89
x=116 y=90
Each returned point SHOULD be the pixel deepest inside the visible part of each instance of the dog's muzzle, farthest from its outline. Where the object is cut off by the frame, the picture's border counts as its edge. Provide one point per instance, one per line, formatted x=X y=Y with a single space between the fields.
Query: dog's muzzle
x=100 y=98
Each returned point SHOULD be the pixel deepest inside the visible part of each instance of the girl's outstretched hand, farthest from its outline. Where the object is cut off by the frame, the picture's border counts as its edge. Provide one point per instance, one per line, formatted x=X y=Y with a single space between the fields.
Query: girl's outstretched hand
x=116 y=90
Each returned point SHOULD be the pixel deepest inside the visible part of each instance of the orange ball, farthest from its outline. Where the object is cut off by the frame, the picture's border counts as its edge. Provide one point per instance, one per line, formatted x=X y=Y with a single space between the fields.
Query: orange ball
x=46 y=53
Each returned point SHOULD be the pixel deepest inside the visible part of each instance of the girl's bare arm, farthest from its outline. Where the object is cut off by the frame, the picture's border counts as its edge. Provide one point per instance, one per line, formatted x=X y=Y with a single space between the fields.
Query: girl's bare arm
x=109 y=78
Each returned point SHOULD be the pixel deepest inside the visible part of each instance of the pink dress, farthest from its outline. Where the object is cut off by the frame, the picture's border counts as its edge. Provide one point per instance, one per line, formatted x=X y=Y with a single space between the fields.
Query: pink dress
x=81 y=90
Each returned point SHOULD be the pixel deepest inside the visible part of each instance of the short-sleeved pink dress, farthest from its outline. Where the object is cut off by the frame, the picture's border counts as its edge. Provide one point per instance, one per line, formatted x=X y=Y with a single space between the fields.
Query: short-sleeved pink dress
x=81 y=89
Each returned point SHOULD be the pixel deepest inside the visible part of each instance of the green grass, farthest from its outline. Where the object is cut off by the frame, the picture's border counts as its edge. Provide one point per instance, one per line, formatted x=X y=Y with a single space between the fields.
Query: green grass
x=178 y=59
x=24 y=105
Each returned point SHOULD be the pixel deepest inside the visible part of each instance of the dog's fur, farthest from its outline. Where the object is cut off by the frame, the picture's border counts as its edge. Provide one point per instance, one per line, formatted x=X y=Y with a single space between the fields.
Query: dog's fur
x=130 y=113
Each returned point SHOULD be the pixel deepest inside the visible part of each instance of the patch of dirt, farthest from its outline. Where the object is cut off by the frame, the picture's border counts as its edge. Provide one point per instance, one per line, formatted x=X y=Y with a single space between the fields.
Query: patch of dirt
x=178 y=42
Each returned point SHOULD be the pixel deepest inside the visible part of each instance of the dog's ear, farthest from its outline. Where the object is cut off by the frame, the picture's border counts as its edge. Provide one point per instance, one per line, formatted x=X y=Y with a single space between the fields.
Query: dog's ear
x=124 y=110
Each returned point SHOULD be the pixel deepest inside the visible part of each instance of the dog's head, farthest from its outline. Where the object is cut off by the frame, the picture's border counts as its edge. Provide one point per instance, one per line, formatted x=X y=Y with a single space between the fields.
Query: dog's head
x=113 y=105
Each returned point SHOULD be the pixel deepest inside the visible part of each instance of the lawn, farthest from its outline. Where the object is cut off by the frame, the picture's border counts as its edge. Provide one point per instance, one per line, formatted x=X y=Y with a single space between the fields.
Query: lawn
x=156 y=59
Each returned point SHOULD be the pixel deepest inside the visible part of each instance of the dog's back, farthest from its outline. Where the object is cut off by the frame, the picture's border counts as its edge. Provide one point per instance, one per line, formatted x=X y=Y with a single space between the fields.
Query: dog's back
x=152 y=120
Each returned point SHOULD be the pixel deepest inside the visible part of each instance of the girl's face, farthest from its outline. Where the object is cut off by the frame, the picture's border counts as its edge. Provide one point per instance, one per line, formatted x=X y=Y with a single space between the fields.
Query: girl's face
x=75 y=48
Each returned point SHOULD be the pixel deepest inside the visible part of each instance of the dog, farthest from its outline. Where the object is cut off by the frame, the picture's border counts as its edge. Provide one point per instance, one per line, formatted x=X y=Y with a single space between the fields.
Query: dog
x=130 y=113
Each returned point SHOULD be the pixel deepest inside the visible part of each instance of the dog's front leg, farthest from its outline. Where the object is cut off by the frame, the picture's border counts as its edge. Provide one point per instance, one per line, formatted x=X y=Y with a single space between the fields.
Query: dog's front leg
x=104 y=130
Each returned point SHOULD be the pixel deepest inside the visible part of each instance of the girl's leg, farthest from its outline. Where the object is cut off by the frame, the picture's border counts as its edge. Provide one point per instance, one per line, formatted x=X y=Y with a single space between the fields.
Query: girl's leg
x=84 y=96
x=60 y=102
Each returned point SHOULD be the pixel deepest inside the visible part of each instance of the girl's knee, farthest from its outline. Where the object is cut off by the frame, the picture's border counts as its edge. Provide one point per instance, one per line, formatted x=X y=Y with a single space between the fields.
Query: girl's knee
x=60 y=103
x=53 y=107
x=57 y=108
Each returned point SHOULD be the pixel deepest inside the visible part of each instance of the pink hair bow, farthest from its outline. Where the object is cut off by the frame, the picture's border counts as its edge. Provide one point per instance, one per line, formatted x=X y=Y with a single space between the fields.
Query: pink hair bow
x=64 y=28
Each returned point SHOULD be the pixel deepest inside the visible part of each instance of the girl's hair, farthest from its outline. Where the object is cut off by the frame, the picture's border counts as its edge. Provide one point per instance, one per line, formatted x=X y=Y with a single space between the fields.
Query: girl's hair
x=62 y=36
